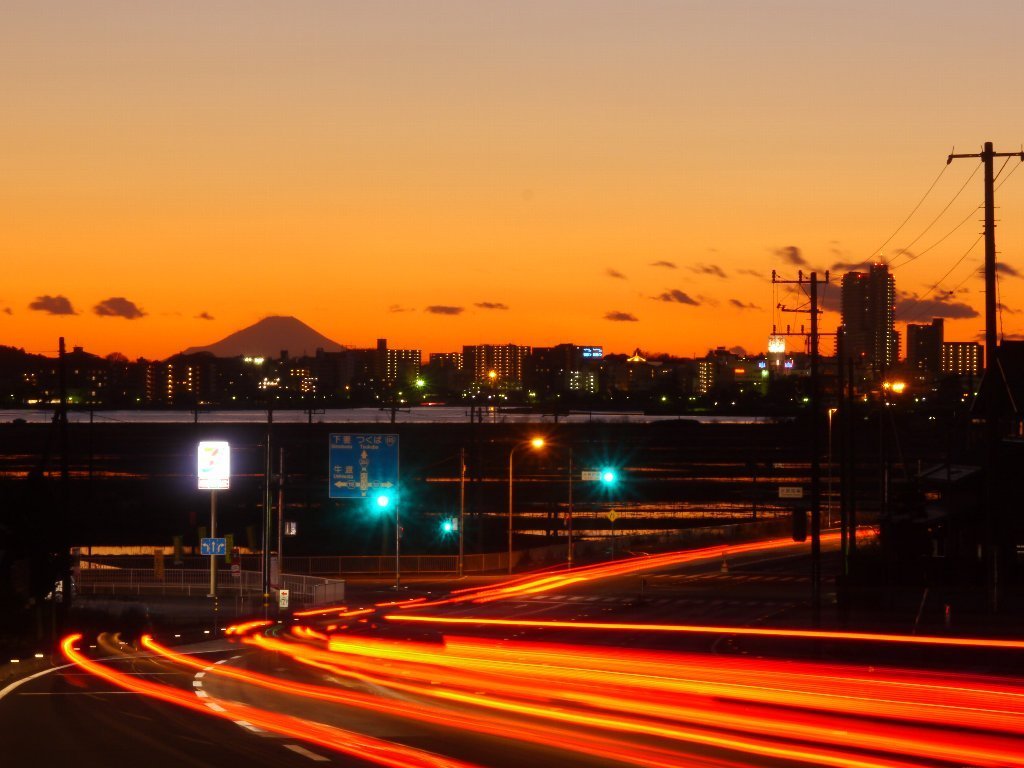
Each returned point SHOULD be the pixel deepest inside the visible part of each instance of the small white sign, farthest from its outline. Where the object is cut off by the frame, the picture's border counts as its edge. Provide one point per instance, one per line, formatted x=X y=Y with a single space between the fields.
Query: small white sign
x=282 y=598
x=214 y=467
x=791 y=492
x=591 y=474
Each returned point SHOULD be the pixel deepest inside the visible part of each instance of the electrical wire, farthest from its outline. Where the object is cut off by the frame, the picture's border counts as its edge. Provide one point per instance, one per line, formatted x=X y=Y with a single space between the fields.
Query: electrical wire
x=908 y=312
x=909 y=216
x=916 y=300
x=907 y=247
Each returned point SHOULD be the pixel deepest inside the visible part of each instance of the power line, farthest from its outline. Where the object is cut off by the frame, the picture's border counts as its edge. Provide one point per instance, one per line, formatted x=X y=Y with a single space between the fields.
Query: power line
x=906 y=248
x=909 y=216
x=919 y=254
x=918 y=299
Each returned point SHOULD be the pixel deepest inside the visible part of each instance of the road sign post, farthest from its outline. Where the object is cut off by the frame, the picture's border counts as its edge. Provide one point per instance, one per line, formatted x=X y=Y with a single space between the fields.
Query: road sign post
x=362 y=465
x=214 y=474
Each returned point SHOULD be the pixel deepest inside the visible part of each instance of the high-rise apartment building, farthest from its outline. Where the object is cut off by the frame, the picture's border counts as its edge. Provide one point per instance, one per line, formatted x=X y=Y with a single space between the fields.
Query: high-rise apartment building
x=500 y=365
x=869 y=316
x=962 y=358
x=394 y=365
x=924 y=346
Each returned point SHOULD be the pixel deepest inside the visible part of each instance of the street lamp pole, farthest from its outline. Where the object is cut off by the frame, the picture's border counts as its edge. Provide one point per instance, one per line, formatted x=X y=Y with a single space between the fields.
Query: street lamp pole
x=828 y=505
x=537 y=442
x=570 y=508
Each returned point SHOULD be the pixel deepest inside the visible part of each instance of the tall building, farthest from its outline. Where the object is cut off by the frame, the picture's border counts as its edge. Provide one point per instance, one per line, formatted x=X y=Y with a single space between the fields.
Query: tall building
x=500 y=365
x=393 y=365
x=563 y=368
x=924 y=346
x=962 y=358
x=869 y=316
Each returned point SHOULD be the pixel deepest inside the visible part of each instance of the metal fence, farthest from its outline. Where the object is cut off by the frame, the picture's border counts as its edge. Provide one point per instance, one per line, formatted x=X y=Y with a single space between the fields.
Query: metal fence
x=307 y=590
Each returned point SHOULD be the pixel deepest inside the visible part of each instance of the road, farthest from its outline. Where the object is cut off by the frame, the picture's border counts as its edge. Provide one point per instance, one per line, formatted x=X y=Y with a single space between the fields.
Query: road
x=355 y=687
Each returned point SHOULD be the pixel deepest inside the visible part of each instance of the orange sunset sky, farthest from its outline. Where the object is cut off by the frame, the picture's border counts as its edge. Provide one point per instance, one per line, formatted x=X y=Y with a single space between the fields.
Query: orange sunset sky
x=538 y=168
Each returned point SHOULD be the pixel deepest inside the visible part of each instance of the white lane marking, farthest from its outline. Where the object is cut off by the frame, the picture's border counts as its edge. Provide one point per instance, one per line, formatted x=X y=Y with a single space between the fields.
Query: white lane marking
x=222 y=661
x=306 y=753
x=18 y=683
x=200 y=674
x=215 y=706
x=248 y=726
x=202 y=694
x=197 y=683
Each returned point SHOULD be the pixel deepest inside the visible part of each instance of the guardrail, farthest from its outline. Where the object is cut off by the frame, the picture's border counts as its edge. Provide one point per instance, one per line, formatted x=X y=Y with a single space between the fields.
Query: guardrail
x=307 y=590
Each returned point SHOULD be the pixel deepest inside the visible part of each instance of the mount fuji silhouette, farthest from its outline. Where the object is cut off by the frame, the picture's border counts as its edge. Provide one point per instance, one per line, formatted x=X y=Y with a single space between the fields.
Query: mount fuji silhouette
x=268 y=338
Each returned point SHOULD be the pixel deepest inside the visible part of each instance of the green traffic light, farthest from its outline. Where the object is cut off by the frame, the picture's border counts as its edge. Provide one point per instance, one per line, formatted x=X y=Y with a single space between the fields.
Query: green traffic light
x=383 y=501
x=607 y=476
x=448 y=526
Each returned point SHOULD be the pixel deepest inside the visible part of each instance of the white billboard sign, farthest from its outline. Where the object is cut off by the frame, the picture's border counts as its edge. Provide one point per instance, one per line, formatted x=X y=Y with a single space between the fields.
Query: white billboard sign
x=214 y=469
x=791 y=492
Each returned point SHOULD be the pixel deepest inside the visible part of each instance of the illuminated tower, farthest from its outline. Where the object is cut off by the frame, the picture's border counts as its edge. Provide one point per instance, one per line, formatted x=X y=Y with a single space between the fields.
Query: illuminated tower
x=869 y=316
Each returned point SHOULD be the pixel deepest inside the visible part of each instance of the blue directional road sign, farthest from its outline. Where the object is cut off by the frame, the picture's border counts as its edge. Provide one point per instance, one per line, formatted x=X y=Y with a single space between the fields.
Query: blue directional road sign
x=362 y=464
x=213 y=546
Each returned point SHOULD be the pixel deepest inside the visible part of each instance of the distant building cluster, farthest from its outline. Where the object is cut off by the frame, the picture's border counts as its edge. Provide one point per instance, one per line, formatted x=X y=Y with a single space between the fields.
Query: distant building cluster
x=505 y=372
x=567 y=374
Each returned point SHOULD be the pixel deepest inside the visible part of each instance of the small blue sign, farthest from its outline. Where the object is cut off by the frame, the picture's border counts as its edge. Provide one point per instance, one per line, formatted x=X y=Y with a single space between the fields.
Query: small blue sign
x=362 y=464
x=213 y=546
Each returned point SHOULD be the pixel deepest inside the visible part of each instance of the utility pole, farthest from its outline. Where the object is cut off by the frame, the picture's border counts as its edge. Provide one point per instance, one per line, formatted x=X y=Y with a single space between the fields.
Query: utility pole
x=267 y=503
x=815 y=438
x=280 y=515
x=987 y=156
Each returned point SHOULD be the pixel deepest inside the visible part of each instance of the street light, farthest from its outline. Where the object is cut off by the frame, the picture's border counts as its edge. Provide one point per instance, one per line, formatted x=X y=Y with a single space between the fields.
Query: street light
x=535 y=443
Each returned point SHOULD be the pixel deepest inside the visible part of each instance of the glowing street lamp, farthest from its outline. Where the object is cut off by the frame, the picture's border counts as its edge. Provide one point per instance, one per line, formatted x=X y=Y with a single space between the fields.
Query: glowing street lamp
x=536 y=443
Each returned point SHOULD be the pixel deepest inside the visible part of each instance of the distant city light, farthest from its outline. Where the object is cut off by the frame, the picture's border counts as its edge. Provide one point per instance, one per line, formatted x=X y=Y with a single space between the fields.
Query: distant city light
x=777 y=345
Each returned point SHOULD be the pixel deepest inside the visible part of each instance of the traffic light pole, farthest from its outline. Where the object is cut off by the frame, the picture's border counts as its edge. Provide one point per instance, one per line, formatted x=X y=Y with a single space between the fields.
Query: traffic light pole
x=462 y=510
x=398 y=547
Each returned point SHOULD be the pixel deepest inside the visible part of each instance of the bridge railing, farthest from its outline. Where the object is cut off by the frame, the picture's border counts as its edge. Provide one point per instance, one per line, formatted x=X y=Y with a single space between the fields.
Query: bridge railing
x=306 y=590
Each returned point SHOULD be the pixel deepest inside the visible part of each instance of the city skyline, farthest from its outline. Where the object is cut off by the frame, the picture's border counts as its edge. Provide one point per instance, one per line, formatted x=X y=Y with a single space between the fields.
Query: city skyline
x=454 y=171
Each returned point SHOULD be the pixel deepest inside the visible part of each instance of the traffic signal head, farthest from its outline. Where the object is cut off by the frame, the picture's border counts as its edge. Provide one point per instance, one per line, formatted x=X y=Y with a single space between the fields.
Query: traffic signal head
x=449 y=525
x=608 y=476
x=382 y=500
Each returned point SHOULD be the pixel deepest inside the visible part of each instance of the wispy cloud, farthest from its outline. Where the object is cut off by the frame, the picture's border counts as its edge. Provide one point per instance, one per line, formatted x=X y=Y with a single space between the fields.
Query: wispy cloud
x=848 y=266
x=708 y=269
x=490 y=305
x=615 y=273
x=911 y=308
x=444 y=309
x=791 y=254
x=53 y=305
x=752 y=273
x=204 y=316
x=620 y=317
x=118 y=306
x=1007 y=269
x=742 y=305
x=664 y=264
x=399 y=308
x=677 y=296
x=8 y=311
